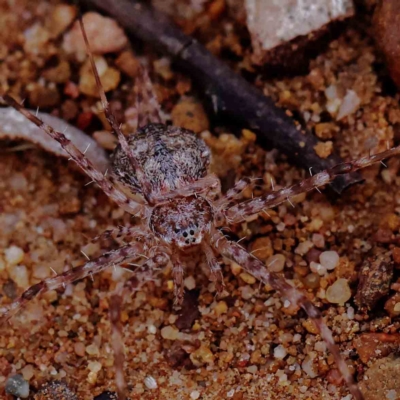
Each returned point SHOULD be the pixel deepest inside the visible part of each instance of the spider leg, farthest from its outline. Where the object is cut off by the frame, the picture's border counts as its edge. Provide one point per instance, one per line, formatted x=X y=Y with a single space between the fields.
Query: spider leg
x=177 y=275
x=234 y=193
x=146 y=100
x=209 y=184
x=112 y=120
x=105 y=184
x=215 y=267
x=140 y=277
x=90 y=268
x=239 y=212
x=133 y=232
x=255 y=267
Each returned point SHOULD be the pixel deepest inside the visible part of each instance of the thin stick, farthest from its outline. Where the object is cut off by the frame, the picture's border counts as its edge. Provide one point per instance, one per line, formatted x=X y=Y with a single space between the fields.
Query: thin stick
x=229 y=93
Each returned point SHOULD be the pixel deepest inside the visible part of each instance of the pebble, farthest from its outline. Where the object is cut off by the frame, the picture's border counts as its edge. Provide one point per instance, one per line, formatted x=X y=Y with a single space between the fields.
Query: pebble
x=105 y=139
x=329 y=259
x=17 y=386
x=14 y=255
x=262 y=248
x=61 y=18
x=28 y=372
x=92 y=350
x=104 y=35
x=276 y=263
x=20 y=275
x=371 y=346
x=150 y=382
x=309 y=367
x=190 y=114
x=109 y=77
x=324 y=149
x=249 y=279
x=374 y=281
x=274 y=23
x=350 y=104
x=79 y=349
x=280 y=352
x=303 y=247
x=221 y=308
x=169 y=332
x=339 y=292
x=203 y=355
x=189 y=283
x=195 y=395
x=318 y=268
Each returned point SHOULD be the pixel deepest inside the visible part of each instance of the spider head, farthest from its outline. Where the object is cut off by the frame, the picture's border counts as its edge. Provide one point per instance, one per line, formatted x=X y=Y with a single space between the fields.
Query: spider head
x=182 y=222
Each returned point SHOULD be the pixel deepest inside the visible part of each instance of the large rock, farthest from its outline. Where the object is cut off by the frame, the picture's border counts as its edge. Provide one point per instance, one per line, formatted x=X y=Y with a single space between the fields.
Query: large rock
x=280 y=28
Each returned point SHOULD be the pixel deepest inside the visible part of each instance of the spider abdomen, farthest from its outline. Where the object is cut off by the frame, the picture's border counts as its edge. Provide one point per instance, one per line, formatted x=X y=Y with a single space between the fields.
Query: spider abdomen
x=170 y=157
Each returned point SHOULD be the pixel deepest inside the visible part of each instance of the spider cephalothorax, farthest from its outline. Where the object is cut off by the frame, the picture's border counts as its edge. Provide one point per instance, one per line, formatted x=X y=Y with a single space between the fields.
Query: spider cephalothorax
x=168 y=167
x=182 y=222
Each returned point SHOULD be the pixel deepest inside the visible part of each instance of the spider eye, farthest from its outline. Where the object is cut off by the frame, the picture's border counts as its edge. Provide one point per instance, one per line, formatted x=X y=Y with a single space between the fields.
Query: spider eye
x=185 y=234
x=192 y=232
x=176 y=230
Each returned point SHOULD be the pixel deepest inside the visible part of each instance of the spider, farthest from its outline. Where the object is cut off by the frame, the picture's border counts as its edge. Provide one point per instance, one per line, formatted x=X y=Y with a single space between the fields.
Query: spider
x=181 y=208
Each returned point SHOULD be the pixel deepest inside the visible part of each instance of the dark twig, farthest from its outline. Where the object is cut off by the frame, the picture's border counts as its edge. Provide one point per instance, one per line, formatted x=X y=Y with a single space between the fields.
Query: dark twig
x=230 y=94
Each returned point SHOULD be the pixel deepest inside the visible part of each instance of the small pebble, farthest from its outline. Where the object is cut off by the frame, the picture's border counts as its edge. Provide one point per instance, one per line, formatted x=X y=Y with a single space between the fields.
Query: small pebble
x=79 y=349
x=280 y=352
x=189 y=283
x=104 y=35
x=169 y=333
x=195 y=395
x=318 y=268
x=17 y=386
x=92 y=350
x=329 y=259
x=276 y=263
x=28 y=372
x=14 y=255
x=20 y=275
x=303 y=248
x=339 y=292
x=150 y=382
x=249 y=279
x=221 y=308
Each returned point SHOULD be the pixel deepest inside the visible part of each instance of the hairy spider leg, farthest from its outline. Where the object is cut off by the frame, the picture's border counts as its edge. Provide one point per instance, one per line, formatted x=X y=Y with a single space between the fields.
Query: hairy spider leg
x=141 y=276
x=234 y=193
x=146 y=187
x=215 y=267
x=255 y=267
x=83 y=162
x=209 y=184
x=133 y=232
x=245 y=209
x=148 y=108
x=90 y=268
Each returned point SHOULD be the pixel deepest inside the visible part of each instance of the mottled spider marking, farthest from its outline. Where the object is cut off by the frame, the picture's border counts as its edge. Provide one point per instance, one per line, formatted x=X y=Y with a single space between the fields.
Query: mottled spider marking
x=169 y=157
